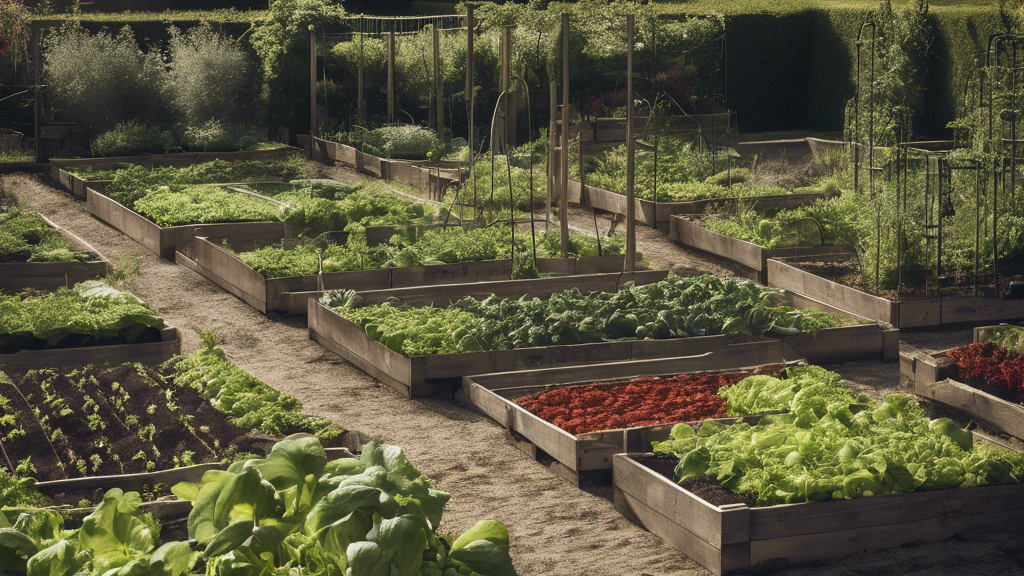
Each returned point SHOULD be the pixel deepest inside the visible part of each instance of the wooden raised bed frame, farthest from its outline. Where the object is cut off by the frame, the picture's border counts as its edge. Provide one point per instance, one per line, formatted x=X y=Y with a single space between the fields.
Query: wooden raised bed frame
x=416 y=173
x=165 y=241
x=912 y=313
x=16 y=276
x=575 y=455
x=692 y=235
x=735 y=537
x=422 y=375
x=78 y=186
x=290 y=294
x=150 y=353
x=164 y=508
x=931 y=377
x=652 y=214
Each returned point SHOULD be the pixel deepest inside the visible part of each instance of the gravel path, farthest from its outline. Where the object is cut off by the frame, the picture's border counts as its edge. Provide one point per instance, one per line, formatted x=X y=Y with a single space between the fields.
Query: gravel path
x=556 y=529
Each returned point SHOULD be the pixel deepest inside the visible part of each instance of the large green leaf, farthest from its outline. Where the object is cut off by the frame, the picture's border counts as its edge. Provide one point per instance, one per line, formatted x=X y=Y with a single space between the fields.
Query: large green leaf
x=173 y=559
x=485 y=558
x=490 y=530
x=112 y=534
x=342 y=502
x=293 y=467
x=62 y=559
x=364 y=559
x=402 y=541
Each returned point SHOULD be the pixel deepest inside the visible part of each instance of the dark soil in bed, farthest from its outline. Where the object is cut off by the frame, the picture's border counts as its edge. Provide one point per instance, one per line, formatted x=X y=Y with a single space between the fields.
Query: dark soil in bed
x=706 y=488
x=119 y=420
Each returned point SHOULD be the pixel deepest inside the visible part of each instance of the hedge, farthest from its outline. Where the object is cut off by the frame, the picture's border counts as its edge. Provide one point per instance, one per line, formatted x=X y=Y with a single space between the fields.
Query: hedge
x=151 y=27
x=792 y=63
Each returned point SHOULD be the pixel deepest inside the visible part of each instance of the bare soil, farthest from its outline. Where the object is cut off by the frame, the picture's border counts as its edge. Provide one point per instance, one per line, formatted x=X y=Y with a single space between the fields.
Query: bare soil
x=556 y=528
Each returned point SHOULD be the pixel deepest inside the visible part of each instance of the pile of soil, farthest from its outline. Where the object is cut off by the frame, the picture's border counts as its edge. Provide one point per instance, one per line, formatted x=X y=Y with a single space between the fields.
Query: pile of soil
x=120 y=420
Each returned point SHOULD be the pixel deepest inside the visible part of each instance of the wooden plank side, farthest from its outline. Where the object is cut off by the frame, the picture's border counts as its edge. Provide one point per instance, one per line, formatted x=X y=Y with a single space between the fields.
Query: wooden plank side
x=150 y=353
x=830 y=545
x=599 y=264
x=486 y=271
x=792 y=520
x=16 y=276
x=979 y=405
x=841 y=344
x=693 y=235
x=229 y=267
x=684 y=509
x=793 y=279
x=527 y=358
x=124 y=220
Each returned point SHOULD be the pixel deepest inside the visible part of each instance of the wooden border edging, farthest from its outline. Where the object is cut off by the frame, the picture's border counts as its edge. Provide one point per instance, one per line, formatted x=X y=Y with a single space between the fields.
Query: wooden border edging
x=165 y=241
x=16 y=276
x=420 y=375
x=931 y=376
x=735 y=537
x=150 y=353
x=166 y=507
x=916 y=313
x=651 y=213
x=495 y=394
x=78 y=185
x=290 y=294
x=692 y=235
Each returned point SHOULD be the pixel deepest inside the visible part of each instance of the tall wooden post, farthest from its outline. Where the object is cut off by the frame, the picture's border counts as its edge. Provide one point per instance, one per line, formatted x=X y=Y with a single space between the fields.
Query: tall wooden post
x=563 y=156
x=470 y=96
x=508 y=85
x=312 y=90
x=552 y=144
x=37 y=106
x=439 y=94
x=630 y=260
x=391 y=73
x=361 y=106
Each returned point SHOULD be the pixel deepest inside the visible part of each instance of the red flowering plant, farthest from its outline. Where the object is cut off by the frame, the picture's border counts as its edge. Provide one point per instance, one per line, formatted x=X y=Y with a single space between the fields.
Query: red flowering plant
x=991 y=367
x=647 y=401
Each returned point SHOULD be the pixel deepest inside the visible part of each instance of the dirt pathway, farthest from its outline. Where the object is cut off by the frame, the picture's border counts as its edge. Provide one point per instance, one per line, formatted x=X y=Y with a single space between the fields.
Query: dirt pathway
x=556 y=529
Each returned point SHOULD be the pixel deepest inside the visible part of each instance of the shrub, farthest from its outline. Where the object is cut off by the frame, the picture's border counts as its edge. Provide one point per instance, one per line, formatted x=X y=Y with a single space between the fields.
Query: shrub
x=102 y=79
x=212 y=77
x=218 y=135
x=131 y=138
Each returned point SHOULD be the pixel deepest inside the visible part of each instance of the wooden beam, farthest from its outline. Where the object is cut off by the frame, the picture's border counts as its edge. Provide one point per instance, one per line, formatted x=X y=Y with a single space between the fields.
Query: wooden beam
x=470 y=93
x=563 y=156
x=312 y=88
x=630 y=262
x=361 y=105
x=391 y=73
x=37 y=109
x=438 y=92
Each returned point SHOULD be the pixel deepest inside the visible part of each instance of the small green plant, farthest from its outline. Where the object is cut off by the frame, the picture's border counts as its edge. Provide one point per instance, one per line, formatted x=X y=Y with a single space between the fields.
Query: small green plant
x=132 y=138
x=125 y=267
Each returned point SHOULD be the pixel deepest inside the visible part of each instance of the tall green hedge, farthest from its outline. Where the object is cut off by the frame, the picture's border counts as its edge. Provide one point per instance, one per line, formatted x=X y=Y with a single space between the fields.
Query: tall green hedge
x=792 y=63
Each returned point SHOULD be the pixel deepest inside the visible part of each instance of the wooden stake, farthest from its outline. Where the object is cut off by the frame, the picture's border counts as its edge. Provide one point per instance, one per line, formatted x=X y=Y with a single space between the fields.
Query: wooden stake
x=630 y=260
x=439 y=95
x=361 y=106
x=391 y=73
x=312 y=90
x=470 y=97
x=37 y=107
x=563 y=156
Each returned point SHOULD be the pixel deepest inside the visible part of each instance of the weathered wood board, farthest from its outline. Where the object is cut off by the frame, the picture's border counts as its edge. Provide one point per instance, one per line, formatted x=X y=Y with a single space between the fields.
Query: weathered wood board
x=16 y=276
x=150 y=353
x=495 y=395
x=413 y=375
x=416 y=173
x=654 y=213
x=735 y=537
x=691 y=234
x=909 y=313
x=219 y=264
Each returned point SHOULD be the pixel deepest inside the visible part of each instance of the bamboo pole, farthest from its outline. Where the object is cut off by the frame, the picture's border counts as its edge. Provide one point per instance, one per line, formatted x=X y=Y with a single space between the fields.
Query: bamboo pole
x=563 y=156
x=312 y=90
x=630 y=259
x=391 y=73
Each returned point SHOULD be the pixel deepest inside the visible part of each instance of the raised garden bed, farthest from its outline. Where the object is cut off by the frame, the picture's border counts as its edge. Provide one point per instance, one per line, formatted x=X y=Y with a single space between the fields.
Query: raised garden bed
x=730 y=538
x=831 y=474
x=422 y=375
x=416 y=173
x=165 y=241
x=934 y=377
x=654 y=213
x=16 y=276
x=222 y=266
x=685 y=231
x=149 y=353
x=78 y=186
x=575 y=454
x=904 y=313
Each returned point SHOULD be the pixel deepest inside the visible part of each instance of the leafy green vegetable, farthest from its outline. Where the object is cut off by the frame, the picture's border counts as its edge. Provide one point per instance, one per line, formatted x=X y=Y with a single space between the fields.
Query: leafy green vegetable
x=251 y=403
x=89 y=314
x=25 y=237
x=205 y=204
x=676 y=307
x=833 y=445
